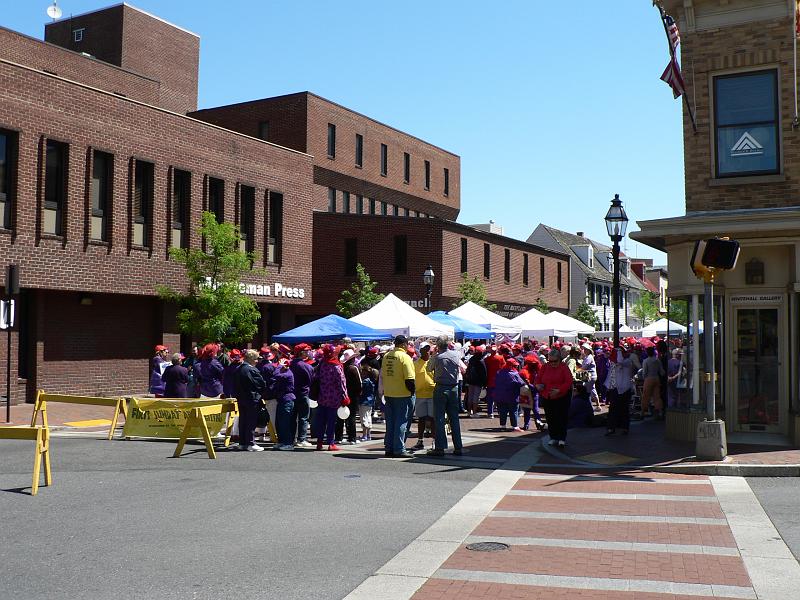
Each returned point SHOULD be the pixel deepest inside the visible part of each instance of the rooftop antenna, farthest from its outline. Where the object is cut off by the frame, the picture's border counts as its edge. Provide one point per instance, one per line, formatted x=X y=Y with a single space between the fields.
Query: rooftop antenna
x=53 y=11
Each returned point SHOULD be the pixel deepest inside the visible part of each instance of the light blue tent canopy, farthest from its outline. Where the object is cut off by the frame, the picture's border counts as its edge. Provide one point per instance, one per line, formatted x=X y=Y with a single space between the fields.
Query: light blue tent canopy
x=332 y=327
x=463 y=327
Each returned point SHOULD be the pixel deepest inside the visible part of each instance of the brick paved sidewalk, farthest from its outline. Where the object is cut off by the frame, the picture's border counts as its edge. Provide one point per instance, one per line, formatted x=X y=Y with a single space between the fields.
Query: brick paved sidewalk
x=599 y=534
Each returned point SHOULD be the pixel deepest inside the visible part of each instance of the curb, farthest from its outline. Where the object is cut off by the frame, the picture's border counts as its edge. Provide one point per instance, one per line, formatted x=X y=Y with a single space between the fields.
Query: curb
x=687 y=468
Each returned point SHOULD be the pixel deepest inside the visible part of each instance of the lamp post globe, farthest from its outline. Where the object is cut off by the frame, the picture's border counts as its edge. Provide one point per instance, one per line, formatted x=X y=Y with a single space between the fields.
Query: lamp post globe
x=428 y=277
x=616 y=225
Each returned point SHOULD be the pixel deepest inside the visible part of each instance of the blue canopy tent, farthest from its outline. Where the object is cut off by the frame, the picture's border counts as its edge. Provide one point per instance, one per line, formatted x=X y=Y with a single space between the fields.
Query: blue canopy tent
x=332 y=327
x=463 y=327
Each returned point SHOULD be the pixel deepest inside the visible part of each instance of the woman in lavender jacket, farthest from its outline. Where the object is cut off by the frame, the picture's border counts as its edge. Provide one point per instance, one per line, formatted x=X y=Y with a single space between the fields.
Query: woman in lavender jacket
x=157 y=365
x=332 y=395
x=209 y=372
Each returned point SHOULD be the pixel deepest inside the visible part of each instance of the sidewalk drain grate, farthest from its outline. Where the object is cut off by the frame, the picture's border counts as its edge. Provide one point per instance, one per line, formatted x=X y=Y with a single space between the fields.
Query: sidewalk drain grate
x=488 y=546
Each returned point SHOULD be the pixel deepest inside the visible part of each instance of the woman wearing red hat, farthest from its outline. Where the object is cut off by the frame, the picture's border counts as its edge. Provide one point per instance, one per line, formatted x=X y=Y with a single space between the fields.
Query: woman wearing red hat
x=332 y=395
x=158 y=365
x=554 y=382
x=506 y=393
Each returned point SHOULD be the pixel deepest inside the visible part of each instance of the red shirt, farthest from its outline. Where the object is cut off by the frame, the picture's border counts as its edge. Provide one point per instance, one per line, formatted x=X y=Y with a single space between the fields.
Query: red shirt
x=554 y=376
x=494 y=362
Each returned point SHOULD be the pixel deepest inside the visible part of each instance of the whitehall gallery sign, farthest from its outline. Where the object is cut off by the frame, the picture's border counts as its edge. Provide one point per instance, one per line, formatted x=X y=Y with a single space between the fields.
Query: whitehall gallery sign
x=757 y=299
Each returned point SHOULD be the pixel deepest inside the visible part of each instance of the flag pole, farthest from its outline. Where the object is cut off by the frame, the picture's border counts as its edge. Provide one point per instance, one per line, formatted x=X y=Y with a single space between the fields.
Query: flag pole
x=661 y=11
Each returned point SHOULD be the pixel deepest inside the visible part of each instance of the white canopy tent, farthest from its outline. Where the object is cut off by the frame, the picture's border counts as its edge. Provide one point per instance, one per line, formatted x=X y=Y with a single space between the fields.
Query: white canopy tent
x=559 y=320
x=477 y=314
x=660 y=328
x=534 y=325
x=394 y=315
x=624 y=331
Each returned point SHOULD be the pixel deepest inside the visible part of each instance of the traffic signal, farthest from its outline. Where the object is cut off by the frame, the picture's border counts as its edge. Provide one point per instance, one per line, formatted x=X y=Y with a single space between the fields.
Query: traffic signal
x=718 y=254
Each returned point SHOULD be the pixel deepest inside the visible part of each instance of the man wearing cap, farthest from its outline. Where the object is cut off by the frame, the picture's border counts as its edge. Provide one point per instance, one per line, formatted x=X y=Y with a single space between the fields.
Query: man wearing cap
x=446 y=366
x=157 y=366
x=423 y=405
x=303 y=374
x=399 y=387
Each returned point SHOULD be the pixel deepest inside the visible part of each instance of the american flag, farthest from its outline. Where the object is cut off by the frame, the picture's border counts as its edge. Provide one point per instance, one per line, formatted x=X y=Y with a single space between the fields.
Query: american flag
x=673 y=78
x=672 y=32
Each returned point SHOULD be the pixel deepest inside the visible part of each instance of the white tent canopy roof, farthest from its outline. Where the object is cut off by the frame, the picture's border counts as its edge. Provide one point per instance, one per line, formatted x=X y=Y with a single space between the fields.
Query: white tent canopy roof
x=567 y=323
x=477 y=314
x=534 y=325
x=392 y=314
x=660 y=328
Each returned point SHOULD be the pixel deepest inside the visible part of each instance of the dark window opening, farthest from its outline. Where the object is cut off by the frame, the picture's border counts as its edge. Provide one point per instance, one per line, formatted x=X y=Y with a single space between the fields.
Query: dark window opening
x=427 y=175
x=447 y=182
x=507 y=265
x=100 y=192
x=406 y=167
x=350 y=256
x=395 y=210
x=143 y=194
x=345 y=202
x=275 y=241
x=541 y=272
x=558 y=276
x=487 y=261
x=216 y=198
x=384 y=160
x=372 y=206
x=525 y=270
x=331 y=200
x=247 y=210
x=400 y=254
x=463 y=255
x=181 y=197
x=359 y=205
x=331 y=140
x=55 y=187
x=359 y=150
x=384 y=209
x=8 y=160
x=263 y=130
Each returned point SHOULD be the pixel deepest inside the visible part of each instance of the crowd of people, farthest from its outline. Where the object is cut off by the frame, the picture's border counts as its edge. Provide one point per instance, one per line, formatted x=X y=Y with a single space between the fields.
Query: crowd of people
x=324 y=392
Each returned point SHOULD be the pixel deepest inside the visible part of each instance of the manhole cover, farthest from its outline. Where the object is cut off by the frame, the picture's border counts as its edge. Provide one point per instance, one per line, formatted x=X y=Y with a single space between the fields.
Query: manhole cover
x=488 y=546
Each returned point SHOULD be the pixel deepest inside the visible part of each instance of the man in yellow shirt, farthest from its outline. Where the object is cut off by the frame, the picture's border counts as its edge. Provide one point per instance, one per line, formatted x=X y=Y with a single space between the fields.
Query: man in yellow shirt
x=423 y=406
x=398 y=380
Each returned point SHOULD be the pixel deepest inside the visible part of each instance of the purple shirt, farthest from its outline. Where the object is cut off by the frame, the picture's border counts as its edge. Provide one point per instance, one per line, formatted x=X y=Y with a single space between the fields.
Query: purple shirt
x=229 y=379
x=282 y=385
x=506 y=386
x=303 y=373
x=210 y=372
x=156 y=383
x=175 y=377
x=332 y=385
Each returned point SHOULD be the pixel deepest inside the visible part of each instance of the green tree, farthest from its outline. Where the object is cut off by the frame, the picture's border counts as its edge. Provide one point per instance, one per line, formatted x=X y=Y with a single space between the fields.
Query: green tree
x=213 y=307
x=541 y=305
x=646 y=308
x=472 y=289
x=360 y=296
x=585 y=314
x=679 y=311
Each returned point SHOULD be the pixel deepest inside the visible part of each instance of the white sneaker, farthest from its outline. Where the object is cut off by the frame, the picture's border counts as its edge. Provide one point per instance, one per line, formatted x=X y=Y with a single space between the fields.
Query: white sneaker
x=286 y=447
x=255 y=448
x=553 y=442
x=345 y=443
x=304 y=444
x=561 y=443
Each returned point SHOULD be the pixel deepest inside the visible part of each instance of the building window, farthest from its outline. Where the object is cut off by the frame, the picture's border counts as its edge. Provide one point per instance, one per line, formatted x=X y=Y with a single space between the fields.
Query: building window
x=525 y=270
x=405 y=212
x=487 y=261
x=447 y=182
x=558 y=275
x=384 y=209
x=181 y=197
x=247 y=213
x=463 y=255
x=275 y=239
x=427 y=174
x=359 y=205
x=406 y=167
x=345 y=202
x=395 y=210
x=590 y=297
x=384 y=160
x=400 y=254
x=143 y=194
x=7 y=166
x=746 y=124
x=350 y=256
x=541 y=272
x=331 y=200
x=507 y=265
x=359 y=150
x=55 y=187
x=263 y=130
x=216 y=198
x=331 y=140
x=101 y=189
x=77 y=34
x=372 y=206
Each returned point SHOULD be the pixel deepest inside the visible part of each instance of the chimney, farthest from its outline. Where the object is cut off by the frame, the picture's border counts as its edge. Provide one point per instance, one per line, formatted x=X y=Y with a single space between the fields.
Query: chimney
x=580 y=234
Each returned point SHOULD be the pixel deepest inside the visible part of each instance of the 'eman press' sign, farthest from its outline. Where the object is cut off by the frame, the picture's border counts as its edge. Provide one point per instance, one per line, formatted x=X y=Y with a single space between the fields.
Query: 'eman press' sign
x=265 y=289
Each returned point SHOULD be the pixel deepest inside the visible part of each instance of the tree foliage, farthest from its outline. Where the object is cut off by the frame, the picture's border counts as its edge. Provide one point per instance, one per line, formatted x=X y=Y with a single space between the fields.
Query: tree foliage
x=541 y=306
x=213 y=307
x=679 y=311
x=360 y=296
x=646 y=308
x=472 y=289
x=585 y=314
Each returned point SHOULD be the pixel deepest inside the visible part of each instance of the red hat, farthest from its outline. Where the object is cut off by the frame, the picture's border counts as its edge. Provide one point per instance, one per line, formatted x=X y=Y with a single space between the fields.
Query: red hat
x=284 y=349
x=264 y=351
x=373 y=351
x=512 y=362
x=161 y=348
x=235 y=353
x=302 y=347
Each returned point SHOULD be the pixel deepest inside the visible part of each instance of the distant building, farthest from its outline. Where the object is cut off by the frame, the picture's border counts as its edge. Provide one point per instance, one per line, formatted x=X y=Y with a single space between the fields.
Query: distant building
x=490 y=227
x=592 y=275
x=655 y=279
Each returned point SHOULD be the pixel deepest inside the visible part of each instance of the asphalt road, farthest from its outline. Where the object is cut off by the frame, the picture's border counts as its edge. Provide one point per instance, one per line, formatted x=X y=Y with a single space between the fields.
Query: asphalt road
x=125 y=520
x=780 y=498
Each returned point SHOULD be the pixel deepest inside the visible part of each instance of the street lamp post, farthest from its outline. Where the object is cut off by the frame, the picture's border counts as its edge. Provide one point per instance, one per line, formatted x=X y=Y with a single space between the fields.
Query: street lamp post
x=616 y=224
x=604 y=300
x=428 y=277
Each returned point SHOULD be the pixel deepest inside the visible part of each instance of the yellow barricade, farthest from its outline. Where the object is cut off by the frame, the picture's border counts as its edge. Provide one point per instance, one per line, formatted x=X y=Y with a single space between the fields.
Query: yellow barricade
x=42 y=398
x=181 y=418
x=41 y=435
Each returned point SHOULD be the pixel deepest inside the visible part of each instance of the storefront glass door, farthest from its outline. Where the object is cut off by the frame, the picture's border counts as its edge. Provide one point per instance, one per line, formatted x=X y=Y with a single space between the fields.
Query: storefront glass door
x=758 y=369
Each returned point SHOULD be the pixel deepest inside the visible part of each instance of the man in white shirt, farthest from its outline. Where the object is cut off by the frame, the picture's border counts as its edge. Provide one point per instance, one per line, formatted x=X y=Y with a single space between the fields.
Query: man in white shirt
x=619 y=384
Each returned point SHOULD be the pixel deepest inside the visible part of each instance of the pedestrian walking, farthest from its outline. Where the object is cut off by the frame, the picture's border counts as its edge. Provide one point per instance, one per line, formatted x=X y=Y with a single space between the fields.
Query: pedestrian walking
x=399 y=386
x=352 y=377
x=423 y=405
x=589 y=378
x=554 y=382
x=157 y=366
x=176 y=378
x=475 y=378
x=507 y=386
x=652 y=372
x=494 y=361
x=209 y=372
x=249 y=388
x=445 y=367
x=529 y=401
x=282 y=389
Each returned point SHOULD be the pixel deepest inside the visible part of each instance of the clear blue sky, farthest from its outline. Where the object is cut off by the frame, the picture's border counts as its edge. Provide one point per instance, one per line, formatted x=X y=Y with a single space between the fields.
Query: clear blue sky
x=553 y=106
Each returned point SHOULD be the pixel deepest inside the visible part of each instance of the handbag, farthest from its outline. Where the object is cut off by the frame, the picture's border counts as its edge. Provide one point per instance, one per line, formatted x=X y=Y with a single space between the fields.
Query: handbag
x=313 y=390
x=263 y=415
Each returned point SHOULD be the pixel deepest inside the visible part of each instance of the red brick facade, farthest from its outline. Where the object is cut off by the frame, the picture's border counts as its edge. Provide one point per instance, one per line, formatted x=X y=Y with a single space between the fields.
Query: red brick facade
x=435 y=242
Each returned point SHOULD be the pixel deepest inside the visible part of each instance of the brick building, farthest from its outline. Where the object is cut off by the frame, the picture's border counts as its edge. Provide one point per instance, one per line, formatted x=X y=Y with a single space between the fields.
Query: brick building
x=395 y=251
x=100 y=173
x=742 y=171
